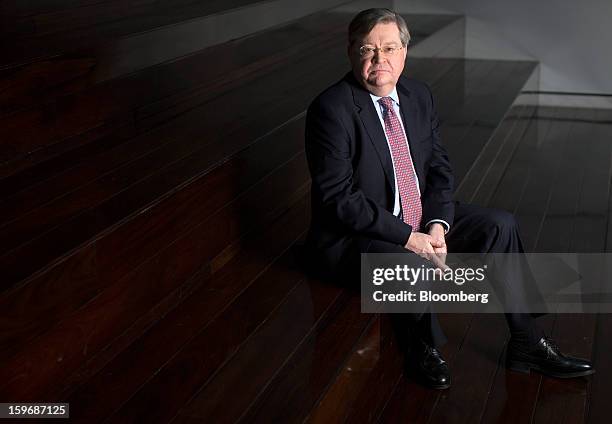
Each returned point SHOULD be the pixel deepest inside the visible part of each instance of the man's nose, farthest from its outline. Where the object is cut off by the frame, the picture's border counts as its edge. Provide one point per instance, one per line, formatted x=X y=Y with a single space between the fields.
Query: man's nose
x=378 y=57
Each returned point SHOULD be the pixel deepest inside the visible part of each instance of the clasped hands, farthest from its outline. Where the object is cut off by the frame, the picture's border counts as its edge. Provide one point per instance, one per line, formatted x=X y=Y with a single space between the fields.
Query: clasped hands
x=430 y=245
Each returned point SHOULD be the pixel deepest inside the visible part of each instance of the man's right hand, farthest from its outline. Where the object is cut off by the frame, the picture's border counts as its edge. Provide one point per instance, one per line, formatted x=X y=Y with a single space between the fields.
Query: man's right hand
x=424 y=245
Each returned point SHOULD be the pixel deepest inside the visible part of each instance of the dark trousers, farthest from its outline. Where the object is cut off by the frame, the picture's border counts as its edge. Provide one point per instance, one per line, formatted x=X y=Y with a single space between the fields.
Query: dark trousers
x=475 y=230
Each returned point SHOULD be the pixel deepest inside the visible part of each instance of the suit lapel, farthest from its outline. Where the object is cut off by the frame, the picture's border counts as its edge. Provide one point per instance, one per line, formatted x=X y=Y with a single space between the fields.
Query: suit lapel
x=408 y=109
x=371 y=122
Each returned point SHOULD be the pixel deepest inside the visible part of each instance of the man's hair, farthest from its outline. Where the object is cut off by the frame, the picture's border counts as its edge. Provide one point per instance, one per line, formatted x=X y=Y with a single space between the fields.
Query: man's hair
x=362 y=24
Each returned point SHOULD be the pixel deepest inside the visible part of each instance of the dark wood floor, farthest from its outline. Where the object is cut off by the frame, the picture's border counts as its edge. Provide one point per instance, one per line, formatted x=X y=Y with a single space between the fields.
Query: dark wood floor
x=149 y=213
x=542 y=167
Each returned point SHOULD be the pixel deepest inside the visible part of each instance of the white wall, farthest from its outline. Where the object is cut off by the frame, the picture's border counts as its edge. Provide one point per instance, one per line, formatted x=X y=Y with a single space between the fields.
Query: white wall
x=571 y=39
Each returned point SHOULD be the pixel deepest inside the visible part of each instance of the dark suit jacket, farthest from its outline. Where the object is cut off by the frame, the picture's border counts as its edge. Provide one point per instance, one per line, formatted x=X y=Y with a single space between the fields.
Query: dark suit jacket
x=352 y=173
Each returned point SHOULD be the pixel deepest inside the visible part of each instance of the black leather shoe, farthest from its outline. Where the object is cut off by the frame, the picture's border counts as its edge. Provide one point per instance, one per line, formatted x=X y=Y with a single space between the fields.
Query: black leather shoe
x=429 y=367
x=547 y=359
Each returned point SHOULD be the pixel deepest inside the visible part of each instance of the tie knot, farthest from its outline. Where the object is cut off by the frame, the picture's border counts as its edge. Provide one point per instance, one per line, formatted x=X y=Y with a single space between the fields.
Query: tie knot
x=387 y=102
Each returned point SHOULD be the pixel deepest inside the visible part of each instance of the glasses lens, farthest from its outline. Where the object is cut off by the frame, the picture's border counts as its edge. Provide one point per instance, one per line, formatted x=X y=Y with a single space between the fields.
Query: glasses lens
x=366 y=51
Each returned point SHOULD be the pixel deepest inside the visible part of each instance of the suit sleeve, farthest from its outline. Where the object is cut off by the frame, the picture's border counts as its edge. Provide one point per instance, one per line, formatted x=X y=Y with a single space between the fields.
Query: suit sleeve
x=437 y=198
x=328 y=150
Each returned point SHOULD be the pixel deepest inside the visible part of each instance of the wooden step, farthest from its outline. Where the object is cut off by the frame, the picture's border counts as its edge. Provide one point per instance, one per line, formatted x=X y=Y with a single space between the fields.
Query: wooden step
x=226 y=308
x=190 y=372
x=141 y=259
x=66 y=114
x=39 y=31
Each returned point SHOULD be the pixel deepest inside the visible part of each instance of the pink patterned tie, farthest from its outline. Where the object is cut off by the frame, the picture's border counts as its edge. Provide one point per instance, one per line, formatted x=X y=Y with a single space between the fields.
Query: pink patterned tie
x=404 y=171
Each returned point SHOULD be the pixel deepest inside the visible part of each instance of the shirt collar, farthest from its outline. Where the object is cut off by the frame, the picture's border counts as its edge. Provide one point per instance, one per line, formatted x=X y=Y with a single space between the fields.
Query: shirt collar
x=393 y=95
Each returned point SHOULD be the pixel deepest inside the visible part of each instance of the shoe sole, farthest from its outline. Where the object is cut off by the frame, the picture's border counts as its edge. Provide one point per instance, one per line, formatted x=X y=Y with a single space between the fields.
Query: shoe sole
x=416 y=376
x=439 y=387
x=429 y=385
x=527 y=367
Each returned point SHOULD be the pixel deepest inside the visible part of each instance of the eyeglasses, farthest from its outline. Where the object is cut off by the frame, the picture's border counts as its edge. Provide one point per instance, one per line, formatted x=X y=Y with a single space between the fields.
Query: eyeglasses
x=367 y=52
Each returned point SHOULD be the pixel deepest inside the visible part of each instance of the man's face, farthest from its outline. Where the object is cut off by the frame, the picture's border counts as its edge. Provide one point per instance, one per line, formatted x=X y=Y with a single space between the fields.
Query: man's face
x=379 y=73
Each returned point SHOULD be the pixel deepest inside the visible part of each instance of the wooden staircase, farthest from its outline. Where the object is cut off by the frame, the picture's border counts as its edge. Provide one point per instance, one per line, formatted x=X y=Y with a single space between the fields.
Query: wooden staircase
x=150 y=213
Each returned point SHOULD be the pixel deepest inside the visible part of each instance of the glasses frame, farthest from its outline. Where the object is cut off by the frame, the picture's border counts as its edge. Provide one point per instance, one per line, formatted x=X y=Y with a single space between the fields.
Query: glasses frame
x=371 y=52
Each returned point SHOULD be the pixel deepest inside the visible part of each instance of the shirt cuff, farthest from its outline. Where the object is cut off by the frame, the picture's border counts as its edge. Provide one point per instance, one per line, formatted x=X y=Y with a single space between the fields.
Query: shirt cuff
x=441 y=221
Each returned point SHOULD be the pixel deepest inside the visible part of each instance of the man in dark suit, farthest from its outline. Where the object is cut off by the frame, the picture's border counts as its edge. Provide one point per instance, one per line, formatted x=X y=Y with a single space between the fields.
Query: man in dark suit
x=382 y=182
